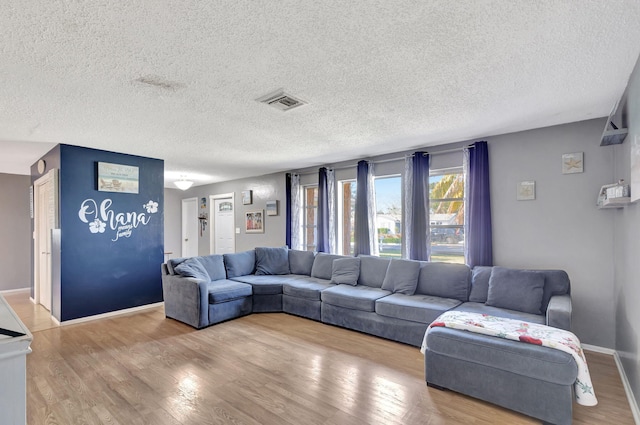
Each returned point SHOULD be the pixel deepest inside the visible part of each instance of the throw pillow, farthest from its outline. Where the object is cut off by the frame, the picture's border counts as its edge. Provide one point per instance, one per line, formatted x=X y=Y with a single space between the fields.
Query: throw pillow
x=272 y=261
x=519 y=290
x=346 y=270
x=191 y=267
x=402 y=276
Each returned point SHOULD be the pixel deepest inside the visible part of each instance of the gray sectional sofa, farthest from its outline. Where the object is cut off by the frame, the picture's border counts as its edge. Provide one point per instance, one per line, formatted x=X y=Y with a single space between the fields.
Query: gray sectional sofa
x=397 y=300
x=393 y=299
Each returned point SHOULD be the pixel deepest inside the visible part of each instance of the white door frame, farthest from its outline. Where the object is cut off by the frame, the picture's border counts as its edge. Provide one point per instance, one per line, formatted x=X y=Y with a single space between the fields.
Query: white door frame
x=49 y=178
x=212 y=215
x=183 y=245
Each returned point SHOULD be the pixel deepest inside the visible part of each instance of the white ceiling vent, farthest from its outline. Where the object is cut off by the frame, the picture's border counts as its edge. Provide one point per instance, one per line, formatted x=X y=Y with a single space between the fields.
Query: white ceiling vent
x=281 y=100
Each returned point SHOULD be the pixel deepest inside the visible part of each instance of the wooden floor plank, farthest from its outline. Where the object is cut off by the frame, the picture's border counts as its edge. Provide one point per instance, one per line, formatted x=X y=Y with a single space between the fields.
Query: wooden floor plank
x=272 y=368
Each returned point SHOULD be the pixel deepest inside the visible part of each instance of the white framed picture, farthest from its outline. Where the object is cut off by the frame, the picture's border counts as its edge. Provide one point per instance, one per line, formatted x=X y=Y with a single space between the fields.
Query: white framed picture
x=254 y=221
x=573 y=163
x=526 y=191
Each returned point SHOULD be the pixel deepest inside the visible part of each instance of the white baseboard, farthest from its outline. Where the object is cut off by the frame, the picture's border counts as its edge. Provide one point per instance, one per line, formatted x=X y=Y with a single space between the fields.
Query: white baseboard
x=598 y=349
x=15 y=291
x=623 y=376
x=110 y=314
x=627 y=389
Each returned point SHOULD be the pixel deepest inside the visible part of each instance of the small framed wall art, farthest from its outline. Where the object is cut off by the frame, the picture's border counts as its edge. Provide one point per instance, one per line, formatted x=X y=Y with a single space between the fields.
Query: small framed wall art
x=526 y=191
x=247 y=197
x=573 y=163
x=272 y=207
x=254 y=222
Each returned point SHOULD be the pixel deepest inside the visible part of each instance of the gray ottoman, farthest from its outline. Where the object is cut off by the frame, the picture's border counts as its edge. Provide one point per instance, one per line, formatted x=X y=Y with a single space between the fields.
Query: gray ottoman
x=534 y=380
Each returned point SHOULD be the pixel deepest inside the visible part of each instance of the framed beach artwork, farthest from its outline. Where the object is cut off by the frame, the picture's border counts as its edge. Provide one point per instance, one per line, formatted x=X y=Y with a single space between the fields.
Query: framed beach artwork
x=117 y=178
x=526 y=191
x=573 y=163
x=254 y=222
x=247 y=197
x=272 y=207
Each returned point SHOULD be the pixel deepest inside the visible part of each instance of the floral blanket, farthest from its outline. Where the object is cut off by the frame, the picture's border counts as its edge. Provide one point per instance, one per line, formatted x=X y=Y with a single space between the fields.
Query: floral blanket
x=530 y=333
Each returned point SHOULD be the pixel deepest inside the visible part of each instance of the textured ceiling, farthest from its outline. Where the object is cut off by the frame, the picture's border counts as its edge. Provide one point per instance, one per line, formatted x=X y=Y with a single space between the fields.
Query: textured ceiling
x=177 y=80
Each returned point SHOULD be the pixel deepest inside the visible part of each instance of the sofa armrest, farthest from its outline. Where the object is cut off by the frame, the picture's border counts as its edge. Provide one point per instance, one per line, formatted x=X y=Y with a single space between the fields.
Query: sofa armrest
x=559 y=312
x=186 y=300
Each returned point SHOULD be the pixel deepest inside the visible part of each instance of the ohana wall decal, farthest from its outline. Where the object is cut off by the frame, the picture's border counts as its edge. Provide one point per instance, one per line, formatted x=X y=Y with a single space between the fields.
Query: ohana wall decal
x=122 y=223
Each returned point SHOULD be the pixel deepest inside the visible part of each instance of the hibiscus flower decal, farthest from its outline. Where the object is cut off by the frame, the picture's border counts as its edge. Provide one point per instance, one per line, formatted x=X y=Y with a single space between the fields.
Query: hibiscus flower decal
x=97 y=226
x=151 y=207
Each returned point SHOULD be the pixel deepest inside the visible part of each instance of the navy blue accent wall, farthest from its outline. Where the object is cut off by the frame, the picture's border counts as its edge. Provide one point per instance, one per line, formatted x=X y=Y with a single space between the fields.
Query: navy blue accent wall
x=112 y=243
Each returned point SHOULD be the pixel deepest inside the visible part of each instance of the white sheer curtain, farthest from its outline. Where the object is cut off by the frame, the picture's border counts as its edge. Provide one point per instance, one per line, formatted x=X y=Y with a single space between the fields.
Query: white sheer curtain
x=331 y=195
x=296 y=212
x=467 y=215
x=371 y=216
x=407 y=183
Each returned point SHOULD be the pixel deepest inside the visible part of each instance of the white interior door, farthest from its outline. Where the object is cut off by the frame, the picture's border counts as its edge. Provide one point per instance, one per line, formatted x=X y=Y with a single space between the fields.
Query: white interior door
x=223 y=235
x=190 y=227
x=45 y=219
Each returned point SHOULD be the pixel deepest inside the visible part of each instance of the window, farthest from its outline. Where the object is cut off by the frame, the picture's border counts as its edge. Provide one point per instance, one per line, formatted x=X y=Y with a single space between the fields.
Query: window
x=389 y=215
x=446 y=215
x=346 y=216
x=310 y=226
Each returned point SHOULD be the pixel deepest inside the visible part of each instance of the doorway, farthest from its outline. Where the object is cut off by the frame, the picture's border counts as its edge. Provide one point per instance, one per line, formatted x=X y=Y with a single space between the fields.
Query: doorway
x=45 y=219
x=190 y=227
x=223 y=238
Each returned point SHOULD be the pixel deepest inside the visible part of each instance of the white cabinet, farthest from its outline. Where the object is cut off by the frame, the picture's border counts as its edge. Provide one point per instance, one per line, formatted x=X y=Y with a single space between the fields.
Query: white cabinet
x=15 y=344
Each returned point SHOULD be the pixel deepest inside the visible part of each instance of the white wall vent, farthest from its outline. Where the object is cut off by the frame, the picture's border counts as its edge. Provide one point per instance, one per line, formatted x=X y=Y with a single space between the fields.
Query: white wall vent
x=281 y=100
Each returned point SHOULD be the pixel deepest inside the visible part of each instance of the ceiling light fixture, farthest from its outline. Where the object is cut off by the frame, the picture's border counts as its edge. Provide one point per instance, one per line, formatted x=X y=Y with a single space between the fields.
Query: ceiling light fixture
x=183 y=183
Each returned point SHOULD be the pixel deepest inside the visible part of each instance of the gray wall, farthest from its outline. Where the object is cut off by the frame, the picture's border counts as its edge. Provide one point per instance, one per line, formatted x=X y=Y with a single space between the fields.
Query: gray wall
x=627 y=249
x=265 y=188
x=562 y=228
x=15 y=232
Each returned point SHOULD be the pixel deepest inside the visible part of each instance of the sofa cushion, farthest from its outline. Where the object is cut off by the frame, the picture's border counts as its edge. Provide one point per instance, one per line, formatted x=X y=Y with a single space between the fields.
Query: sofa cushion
x=444 y=280
x=372 y=270
x=480 y=284
x=414 y=308
x=556 y=282
x=272 y=260
x=482 y=308
x=402 y=276
x=519 y=290
x=353 y=297
x=214 y=264
x=323 y=265
x=263 y=285
x=173 y=262
x=345 y=270
x=240 y=263
x=301 y=262
x=191 y=267
x=533 y=361
x=308 y=288
x=227 y=290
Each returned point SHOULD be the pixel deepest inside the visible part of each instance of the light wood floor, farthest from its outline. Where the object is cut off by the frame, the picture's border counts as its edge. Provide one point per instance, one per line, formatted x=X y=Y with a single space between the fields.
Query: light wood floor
x=260 y=369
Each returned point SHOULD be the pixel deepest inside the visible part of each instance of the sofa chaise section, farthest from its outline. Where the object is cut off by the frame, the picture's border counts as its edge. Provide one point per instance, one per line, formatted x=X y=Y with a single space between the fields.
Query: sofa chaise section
x=197 y=292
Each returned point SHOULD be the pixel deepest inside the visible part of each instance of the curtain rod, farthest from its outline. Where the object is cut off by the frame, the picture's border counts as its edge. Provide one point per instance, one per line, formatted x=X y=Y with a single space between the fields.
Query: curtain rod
x=382 y=161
